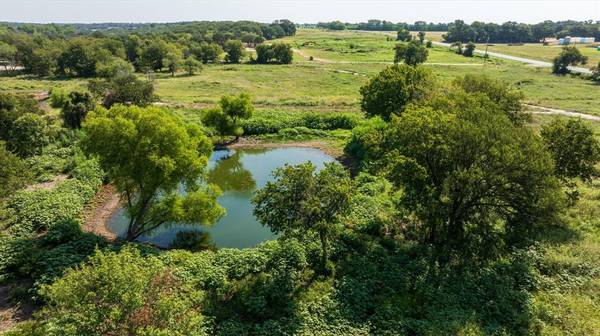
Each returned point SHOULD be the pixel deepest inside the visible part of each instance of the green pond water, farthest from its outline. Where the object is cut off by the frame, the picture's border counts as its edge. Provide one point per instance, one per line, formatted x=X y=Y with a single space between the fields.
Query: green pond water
x=239 y=173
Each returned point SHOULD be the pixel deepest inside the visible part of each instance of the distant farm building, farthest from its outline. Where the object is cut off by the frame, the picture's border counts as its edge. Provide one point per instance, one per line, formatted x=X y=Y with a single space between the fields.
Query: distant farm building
x=576 y=40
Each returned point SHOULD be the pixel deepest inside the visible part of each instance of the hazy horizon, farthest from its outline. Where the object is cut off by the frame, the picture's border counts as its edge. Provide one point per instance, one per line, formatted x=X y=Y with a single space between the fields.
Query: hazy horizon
x=146 y=11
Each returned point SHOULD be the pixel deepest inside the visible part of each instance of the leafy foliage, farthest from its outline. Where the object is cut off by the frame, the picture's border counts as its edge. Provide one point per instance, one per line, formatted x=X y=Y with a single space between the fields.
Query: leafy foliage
x=279 y=52
x=506 y=98
x=574 y=148
x=13 y=172
x=235 y=51
x=301 y=201
x=29 y=134
x=226 y=118
x=76 y=108
x=123 y=293
x=123 y=90
x=569 y=56
x=412 y=53
x=148 y=153
x=467 y=172
x=393 y=89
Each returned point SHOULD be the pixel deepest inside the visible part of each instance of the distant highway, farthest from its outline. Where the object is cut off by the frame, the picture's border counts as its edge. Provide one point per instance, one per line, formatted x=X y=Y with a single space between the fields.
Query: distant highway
x=529 y=61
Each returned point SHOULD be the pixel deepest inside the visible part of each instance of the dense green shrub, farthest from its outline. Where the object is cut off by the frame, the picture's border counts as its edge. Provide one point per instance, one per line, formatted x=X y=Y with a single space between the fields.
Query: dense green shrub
x=299 y=133
x=38 y=210
x=122 y=293
x=13 y=172
x=28 y=135
x=52 y=161
x=366 y=144
x=273 y=122
x=58 y=97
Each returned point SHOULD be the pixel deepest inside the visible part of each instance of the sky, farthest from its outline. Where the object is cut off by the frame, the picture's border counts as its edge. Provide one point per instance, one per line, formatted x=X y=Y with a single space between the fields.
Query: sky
x=299 y=11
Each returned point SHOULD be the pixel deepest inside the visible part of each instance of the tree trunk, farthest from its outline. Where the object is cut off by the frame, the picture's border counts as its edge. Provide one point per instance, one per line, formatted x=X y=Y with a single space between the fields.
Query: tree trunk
x=324 y=252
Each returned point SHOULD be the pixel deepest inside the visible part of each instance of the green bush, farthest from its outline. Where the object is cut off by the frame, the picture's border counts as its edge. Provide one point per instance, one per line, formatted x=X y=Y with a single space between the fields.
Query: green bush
x=38 y=210
x=272 y=122
x=123 y=293
x=58 y=97
x=51 y=162
x=299 y=133
x=366 y=145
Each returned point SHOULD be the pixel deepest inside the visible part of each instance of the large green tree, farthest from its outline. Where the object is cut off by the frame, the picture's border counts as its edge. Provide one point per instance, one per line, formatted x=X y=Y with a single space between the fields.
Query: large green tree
x=76 y=108
x=226 y=118
x=569 y=56
x=128 y=89
x=301 y=200
x=474 y=179
x=192 y=65
x=412 y=53
x=505 y=97
x=574 y=148
x=235 y=51
x=148 y=153
x=122 y=293
x=393 y=89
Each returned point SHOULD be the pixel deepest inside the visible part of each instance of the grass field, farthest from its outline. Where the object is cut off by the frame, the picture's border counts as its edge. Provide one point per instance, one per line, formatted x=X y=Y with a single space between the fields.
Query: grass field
x=345 y=62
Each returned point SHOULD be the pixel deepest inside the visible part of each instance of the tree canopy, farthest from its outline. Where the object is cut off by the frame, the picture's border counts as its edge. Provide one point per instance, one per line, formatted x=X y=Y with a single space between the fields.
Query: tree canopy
x=148 y=153
x=301 y=201
x=573 y=147
x=393 y=89
x=473 y=178
x=412 y=53
x=225 y=119
x=569 y=56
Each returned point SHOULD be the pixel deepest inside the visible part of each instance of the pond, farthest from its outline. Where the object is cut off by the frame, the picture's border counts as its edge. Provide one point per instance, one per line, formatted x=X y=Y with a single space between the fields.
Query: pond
x=239 y=173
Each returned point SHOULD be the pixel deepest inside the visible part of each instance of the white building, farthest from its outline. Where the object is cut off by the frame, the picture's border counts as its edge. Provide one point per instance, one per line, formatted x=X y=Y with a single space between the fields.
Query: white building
x=576 y=40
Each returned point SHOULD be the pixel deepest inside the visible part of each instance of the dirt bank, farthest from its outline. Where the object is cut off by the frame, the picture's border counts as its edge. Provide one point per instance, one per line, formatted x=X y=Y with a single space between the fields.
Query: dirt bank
x=98 y=212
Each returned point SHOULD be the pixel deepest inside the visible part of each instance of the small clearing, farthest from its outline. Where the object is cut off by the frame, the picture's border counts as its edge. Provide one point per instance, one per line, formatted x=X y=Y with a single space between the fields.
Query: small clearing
x=48 y=185
x=12 y=313
x=99 y=211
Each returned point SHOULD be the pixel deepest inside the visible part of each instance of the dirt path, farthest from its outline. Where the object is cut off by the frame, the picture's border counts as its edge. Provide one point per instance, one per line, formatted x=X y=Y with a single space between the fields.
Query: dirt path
x=328 y=61
x=47 y=185
x=12 y=313
x=99 y=211
x=534 y=109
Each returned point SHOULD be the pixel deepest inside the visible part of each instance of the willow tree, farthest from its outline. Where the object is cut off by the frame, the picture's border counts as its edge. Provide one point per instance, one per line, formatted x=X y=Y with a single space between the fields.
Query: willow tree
x=148 y=154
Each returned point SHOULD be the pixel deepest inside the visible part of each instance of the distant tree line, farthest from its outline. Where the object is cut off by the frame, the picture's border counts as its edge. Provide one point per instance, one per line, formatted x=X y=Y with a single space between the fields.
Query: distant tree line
x=513 y=32
x=459 y=31
x=73 y=51
x=383 y=25
x=279 y=28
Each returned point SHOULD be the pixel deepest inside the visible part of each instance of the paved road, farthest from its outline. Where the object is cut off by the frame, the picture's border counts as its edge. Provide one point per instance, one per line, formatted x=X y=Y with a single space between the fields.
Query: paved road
x=529 y=61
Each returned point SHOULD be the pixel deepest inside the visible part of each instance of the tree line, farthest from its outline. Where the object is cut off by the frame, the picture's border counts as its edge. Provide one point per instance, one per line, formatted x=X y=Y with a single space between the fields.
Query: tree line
x=383 y=25
x=47 y=50
x=513 y=32
x=481 y=32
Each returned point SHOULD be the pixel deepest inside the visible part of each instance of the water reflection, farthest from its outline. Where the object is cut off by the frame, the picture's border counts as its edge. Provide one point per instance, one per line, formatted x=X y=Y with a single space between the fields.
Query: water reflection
x=229 y=174
x=238 y=173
